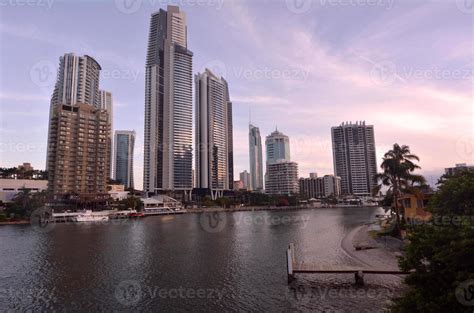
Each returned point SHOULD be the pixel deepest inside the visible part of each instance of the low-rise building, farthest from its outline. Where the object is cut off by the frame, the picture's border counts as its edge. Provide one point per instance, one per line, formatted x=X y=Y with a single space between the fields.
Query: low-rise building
x=413 y=207
x=239 y=185
x=320 y=187
x=282 y=178
x=117 y=192
x=9 y=188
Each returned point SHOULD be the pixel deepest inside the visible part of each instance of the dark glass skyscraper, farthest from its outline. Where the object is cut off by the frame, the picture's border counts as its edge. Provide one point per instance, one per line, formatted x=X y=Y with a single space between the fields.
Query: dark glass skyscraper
x=123 y=160
x=168 y=105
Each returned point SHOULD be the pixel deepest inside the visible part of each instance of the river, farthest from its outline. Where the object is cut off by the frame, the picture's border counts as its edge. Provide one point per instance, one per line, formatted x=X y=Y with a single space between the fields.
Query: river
x=189 y=262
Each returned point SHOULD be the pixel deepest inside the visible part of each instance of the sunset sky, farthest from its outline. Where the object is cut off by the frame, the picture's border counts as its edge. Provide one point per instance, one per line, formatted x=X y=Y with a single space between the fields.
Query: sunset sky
x=404 y=66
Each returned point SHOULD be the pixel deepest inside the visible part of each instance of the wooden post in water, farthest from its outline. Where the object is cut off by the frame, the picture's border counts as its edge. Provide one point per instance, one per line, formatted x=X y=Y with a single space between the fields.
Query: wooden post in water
x=289 y=263
x=359 y=278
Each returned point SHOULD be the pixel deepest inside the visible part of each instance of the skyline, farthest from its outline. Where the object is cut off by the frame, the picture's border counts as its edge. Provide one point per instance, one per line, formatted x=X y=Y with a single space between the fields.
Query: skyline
x=306 y=71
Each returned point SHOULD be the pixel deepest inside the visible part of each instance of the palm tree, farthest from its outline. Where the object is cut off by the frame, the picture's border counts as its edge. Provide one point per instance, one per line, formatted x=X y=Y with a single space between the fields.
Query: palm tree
x=398 y=167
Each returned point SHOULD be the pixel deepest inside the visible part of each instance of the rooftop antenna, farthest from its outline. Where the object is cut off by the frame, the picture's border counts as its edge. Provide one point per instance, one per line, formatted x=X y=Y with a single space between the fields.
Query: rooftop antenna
x=250 y=115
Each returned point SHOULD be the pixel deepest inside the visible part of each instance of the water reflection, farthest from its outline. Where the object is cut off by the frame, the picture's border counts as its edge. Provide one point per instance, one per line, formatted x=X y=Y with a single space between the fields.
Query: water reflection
x=175 y=263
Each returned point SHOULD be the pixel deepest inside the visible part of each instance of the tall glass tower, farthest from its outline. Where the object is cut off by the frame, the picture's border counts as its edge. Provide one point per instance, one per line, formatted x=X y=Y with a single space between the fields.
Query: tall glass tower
x=255 y=157
x=168 y=105
x=123 y=160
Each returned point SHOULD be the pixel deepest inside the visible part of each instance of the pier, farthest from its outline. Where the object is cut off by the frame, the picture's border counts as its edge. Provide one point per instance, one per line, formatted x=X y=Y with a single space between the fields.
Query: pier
x=294 y=267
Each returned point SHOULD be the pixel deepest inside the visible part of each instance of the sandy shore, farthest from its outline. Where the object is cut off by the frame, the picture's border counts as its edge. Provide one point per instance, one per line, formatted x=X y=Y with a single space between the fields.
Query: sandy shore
x=375 y=253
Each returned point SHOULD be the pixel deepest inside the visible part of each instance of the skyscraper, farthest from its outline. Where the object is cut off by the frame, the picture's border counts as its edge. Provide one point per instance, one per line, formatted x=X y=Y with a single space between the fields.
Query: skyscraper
x=353 y=147
x=123 y=161
x=281 y=176
x=78 y=154
x=77 y=82
x=106 y=103
x=168 y=105
x=213 y=134
x=255 y=157
x=278 y=147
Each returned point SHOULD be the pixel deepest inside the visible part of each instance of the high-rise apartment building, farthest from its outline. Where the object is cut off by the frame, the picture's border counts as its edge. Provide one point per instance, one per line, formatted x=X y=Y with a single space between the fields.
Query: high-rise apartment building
x=168 y=105
x=77 y=82
x=354 y=157
x=245 y=179
x=255 y=157
x=123 y=161
x=79 y=149
x=214 y=161
x=78 y=154
x=106 y=103
x=281 y=177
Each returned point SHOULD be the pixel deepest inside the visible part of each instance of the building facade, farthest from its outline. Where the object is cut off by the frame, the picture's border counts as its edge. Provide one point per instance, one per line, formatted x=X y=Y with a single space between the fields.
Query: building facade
x=168 y=105
x=79 y=149
x=354 y=157
x=9 y=188
x=320 y=187
x=245 y=179
x=282 y=178
x=123 y=161
x=106 y=103
x=214 y=161
x=255 y=157
x=77 y=82
x=278 y=147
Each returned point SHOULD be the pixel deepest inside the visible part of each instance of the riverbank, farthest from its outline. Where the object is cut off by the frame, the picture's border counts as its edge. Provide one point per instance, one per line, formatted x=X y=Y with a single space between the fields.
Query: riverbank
x=372 y=252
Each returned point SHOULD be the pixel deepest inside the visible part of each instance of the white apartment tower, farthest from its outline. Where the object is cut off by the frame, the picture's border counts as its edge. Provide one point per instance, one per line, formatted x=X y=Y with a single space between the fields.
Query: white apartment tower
x=214 y=166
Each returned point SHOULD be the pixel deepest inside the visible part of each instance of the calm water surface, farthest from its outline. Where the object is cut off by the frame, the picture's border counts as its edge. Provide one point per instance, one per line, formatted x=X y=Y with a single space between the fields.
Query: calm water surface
x=183 y=263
